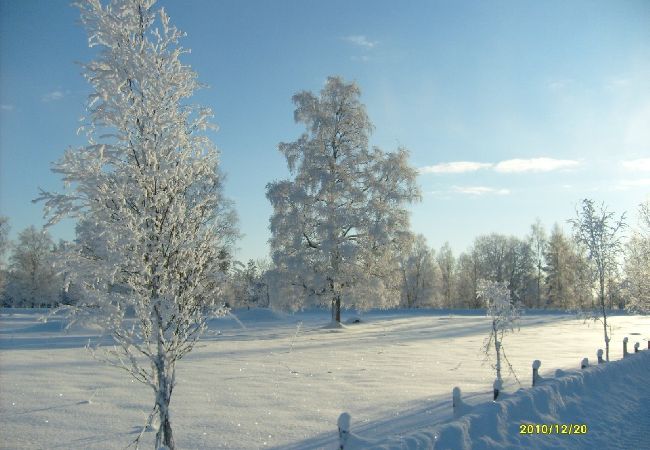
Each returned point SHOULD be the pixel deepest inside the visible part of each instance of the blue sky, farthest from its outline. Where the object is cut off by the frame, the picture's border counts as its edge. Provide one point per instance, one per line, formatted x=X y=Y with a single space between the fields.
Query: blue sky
x=512 y=110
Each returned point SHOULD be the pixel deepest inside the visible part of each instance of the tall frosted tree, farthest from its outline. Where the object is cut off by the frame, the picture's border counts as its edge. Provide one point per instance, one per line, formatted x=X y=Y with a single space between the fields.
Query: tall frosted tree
x=33 y=279
x=148 y=192
x=335 y=219
x=566 y=273
x=598 y=230
x=538 y=242
x=420 y=275
x=447 y=266
x=637 y=263
x=4 y=246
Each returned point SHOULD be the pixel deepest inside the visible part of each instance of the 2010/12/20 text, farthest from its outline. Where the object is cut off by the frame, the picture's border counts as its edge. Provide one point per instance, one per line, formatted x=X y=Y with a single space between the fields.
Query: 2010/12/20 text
x=553 y=428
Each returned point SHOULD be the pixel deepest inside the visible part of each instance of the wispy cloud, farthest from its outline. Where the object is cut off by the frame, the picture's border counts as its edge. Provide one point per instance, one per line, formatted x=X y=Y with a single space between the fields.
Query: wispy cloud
x=362 y=58
x=637 y=165
x=479 y=190
x=6 y=107
x=624 y=185
x=360 y=41
x=53 y=96
x=455 y=167
x=535 y=165
x=558 y=85
x=507 y=166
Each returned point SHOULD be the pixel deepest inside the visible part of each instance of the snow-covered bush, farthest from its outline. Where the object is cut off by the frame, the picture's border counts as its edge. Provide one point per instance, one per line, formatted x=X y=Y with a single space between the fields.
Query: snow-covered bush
x=504 y=314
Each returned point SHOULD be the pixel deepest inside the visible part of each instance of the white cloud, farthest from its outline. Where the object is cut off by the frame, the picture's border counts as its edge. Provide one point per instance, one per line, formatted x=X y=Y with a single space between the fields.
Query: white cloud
x=455 y=167
x=53 y=96
x=535 y=165
x=360 y=40
x=631 y=184
x=479 y=190
x=637 y=165
x=6 y=107
x=507 y=166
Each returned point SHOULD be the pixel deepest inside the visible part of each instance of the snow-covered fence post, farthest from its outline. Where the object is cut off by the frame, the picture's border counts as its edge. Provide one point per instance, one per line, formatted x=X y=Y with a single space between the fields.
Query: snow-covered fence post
x=497 y=386
x=625 y=353
x=600 y=356
x=584 y=363
x=344 y=429
x=459 y=406
x=636 y=347
x=536 y=378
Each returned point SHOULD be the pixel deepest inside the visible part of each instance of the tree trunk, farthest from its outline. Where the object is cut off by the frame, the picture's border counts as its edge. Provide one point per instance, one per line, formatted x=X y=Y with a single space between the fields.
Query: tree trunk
x=604 y=312
x=163 y=397
x=336 y=304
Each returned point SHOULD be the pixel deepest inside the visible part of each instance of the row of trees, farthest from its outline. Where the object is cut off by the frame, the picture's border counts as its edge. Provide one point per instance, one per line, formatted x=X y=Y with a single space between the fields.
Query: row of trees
x=542 y=270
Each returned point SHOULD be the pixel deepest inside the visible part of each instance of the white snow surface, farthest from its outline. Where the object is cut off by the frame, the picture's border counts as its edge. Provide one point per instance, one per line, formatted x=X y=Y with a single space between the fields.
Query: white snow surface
x=281 y=381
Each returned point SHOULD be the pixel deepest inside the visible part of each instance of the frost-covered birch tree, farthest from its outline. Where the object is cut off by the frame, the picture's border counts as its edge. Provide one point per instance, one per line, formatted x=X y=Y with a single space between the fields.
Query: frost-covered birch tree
x=599 y=232
x=148 y=191
x=637 y=263
x=4 y=246
x=333 y=223
x=504 y=314
x=33 y=280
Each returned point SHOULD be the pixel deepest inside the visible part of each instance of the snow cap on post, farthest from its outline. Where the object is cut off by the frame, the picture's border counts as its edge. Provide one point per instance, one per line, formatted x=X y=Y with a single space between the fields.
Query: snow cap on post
x=459 y=406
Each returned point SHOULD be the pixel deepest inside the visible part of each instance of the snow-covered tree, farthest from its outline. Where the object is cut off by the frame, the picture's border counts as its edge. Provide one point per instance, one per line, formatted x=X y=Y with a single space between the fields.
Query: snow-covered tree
x=506 y=258
x=148 y=192
x=538 y=242
x=420 y=276
x=566 y=273
x=467 y=276
x=637 y=263
x=33 y=279
x=504 y=314
x=447 y=267
x=334 y=221
x=599 y=232
x=4 y=246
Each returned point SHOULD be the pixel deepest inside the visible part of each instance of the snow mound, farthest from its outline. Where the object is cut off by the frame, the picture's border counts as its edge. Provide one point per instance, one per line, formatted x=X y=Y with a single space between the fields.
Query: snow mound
x=353 y=320
x=612 y=400
x=333 y=325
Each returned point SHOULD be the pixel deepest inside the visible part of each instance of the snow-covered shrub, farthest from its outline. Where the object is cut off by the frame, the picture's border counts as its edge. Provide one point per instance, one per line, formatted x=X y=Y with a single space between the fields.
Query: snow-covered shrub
x=504 y=314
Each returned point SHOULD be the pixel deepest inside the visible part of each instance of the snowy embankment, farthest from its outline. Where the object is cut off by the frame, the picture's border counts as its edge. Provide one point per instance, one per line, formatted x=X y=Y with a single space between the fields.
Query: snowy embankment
x=604 y=406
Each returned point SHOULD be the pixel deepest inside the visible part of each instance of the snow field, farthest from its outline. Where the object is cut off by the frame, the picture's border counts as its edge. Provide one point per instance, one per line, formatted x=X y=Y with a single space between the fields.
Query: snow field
x=282 y=381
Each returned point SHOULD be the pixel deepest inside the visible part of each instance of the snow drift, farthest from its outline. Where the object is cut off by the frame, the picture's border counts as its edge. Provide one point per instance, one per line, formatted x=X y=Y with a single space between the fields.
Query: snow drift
x=612 y=400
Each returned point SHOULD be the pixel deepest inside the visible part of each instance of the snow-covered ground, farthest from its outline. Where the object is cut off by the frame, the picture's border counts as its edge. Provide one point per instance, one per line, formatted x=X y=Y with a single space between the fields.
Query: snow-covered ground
x=281 y=381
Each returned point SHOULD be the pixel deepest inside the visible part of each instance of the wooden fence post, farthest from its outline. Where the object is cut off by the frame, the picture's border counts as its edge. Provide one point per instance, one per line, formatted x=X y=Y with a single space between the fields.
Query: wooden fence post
x=584 y=363
x=496 y=387
x=600 y=356
x=625 y=353
x=636 y=347
x=344 y=429
x=536 y=364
